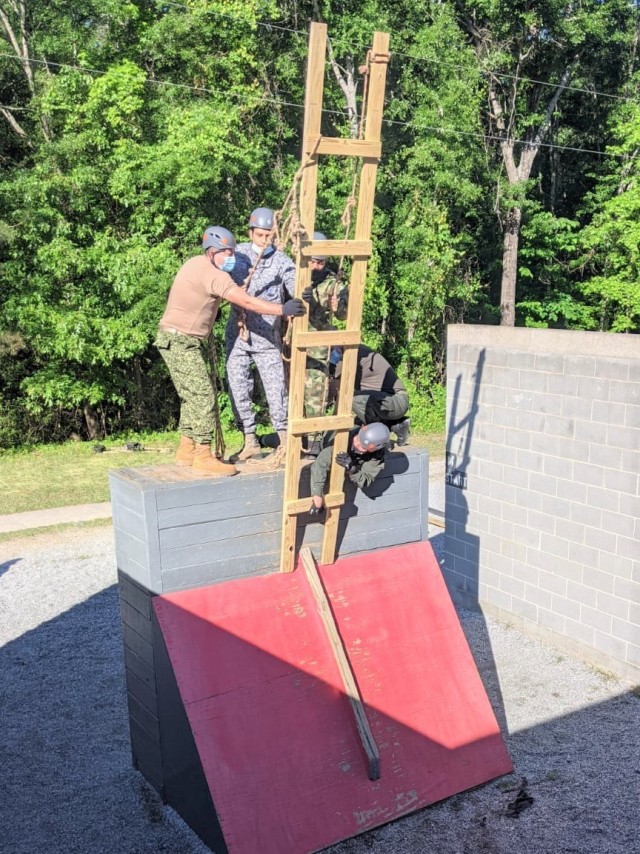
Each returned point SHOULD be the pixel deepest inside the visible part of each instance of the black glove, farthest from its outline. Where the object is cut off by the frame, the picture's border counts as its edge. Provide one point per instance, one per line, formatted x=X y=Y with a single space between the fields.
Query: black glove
x=293 y=308
x=347 y=463
x=314 y=512
x=307 y=294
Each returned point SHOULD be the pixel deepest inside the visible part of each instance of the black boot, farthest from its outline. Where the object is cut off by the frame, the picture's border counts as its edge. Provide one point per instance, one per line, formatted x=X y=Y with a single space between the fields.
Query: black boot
x=402 y=431
x=313 y=450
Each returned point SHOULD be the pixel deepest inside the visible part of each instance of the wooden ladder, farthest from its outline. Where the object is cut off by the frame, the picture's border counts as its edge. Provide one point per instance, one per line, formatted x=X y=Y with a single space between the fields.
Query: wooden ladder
x=369 y=150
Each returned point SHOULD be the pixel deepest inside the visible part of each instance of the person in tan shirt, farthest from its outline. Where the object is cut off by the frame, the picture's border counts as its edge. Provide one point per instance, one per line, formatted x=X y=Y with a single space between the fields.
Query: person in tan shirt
x=194 y=299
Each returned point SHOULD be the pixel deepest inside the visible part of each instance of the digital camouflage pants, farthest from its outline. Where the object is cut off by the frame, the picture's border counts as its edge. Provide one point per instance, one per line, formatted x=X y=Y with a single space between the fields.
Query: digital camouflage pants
x=241 y=381
x=184 y=357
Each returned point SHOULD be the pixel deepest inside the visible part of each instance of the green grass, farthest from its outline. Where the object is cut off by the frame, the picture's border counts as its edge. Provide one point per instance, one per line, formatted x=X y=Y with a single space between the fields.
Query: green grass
x=71 y=473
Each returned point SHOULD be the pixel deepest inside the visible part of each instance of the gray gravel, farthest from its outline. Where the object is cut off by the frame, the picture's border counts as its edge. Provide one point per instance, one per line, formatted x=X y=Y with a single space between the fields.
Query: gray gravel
x=66 y=779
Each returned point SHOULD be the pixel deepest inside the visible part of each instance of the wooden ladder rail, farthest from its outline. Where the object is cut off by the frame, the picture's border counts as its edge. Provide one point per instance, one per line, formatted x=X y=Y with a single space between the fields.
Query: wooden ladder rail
x=360 y=249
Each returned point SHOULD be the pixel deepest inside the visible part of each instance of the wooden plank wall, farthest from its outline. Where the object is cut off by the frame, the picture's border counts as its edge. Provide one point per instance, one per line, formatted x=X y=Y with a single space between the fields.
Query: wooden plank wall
x=188 y=533
x=175 y=534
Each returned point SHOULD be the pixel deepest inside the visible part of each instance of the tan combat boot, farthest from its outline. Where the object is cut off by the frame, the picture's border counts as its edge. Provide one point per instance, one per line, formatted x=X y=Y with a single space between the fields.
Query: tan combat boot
x=186 y=452
x=275 y=460
x=251 y=449
x=205 y=463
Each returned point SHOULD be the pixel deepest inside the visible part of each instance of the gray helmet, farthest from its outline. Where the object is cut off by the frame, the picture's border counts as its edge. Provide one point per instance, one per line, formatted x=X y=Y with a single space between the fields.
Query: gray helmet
x=217 y=237
x=374 y=436
x=318 y=235
x=261 y=218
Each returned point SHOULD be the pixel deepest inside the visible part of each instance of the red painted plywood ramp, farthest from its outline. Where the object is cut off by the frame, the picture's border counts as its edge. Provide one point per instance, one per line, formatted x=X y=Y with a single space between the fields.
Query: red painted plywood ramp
x=274 y=731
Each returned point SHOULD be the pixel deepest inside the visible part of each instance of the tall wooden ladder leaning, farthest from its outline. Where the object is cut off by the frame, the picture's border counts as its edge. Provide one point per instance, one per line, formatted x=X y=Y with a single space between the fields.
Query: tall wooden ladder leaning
x=369 y=150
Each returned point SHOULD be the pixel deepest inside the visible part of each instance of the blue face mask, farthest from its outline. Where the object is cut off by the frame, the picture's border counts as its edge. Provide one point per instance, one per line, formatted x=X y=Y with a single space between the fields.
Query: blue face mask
x=228 y=264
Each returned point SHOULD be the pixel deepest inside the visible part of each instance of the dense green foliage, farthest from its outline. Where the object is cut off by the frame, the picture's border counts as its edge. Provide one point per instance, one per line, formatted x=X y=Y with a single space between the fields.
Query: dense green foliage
x=127 y=127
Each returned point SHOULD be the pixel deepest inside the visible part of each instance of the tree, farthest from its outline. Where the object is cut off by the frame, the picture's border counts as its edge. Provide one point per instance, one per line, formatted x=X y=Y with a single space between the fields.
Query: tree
x=530 y=53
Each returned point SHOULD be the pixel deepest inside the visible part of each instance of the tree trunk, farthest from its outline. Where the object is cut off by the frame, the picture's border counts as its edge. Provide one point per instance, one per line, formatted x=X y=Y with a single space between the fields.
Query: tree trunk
x=92 y=422
x=510 y=267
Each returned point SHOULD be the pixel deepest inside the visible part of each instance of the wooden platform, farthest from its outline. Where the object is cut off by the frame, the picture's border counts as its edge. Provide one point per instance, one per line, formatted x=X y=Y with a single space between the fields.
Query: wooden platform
x=278 y=753
x=175 y=530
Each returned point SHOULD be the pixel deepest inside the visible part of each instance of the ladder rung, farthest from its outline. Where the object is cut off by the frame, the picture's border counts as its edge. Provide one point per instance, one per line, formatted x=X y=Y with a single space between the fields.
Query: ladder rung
x=330 y=338
x=355 y=248
x=344 y=147
x=320 y=424
x=303 y=505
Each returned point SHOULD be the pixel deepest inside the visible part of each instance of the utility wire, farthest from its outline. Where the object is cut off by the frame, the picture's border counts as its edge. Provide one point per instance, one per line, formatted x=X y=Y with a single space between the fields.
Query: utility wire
x=342 y=113
x=427 y=59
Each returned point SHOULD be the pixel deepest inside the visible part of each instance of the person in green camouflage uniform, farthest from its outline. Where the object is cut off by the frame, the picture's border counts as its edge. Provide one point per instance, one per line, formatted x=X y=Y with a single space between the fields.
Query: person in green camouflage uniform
x=328 y=300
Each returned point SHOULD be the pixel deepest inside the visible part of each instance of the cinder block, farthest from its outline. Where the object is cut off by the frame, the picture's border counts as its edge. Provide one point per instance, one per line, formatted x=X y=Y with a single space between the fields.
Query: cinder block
x=532 y=461
x=622 y=437
x=616 y=565
x=568 y=569
x=546 y=444
x=526 y=535
x=624 y=392
x=583 y=512
x=500 y=599
x=594 y=619
x=501 y=528
x=573 y=449
x=593 y=388
x=555 y=546
x=597 y=580
x=575 y=493
x=571 y=531
x=528 y=500
x=551 y=620
x=633 y=654
x=632 y=417
x=605 y=499
x=511 y=585
x=580 y=632
x=543 y=522
x=536 y=596
x=582 y=366
x=622 y=481
x=586 y=555
x=614 y=605
x=505 y=418
x=522 y=360
x=543 y=483
x=626 y=589
x=629 y=505
x=602 y=540
x=612 y=369
x=604 y=412
x=558 y=467
x=514 y=550
x=566 y=607
x=589 y=474
x=602 y=455
x=551 y=363
x=534 y=382
x=525 y=609
x=629 y=548
x=575 y=407
x=582 y=594
x=524 y=571
x=610 y=645
x=557 y=507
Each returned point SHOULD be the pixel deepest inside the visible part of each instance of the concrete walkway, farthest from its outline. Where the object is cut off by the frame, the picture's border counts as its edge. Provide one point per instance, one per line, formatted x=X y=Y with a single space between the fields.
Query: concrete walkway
x=55 y=516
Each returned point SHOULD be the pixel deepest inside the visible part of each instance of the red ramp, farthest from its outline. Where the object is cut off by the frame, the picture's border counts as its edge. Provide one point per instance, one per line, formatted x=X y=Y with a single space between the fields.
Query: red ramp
x=273 y=729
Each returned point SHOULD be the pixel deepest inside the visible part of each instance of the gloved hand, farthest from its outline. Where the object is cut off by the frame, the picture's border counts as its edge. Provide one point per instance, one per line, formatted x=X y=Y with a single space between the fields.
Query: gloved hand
x=307 y=294
x=346 y=462
x=293 y=308
x=315 y=512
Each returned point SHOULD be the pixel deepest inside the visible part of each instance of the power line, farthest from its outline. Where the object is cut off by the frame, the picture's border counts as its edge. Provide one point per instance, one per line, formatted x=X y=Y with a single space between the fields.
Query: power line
x=342 y=113
x=427 y=59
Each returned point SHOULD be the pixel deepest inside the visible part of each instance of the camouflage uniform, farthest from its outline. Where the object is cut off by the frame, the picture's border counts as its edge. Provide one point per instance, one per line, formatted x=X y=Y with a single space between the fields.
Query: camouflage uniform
x=184 y=357
x=368 y=465
x=320 y=316
x=273 y=280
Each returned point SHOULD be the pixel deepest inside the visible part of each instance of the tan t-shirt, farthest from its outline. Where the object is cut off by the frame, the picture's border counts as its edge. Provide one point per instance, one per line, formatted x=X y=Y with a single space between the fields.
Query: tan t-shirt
x=195 y=296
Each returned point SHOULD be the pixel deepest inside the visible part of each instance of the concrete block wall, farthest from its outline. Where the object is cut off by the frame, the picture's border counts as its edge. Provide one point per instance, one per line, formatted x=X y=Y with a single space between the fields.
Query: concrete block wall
x=543 y=485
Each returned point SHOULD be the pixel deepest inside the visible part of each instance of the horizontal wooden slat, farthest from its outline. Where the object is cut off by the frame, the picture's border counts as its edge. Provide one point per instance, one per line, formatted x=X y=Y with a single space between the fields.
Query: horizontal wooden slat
x=355 y=248
x=345 y=147
x=330 y=338
x=320 y=424
x=303 y=505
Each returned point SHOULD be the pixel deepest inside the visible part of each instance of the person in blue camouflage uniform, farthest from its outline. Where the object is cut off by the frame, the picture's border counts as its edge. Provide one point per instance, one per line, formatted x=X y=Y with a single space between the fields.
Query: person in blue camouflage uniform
x=328 y=300
x=255 y=340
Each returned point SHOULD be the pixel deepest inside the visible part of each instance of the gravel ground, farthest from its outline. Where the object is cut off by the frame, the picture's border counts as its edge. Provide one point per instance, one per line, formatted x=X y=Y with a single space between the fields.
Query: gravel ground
x=66 y=779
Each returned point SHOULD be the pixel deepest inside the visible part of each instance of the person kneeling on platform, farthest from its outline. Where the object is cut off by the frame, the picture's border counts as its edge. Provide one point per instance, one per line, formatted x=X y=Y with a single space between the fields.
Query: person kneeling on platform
x=363 y=461
x=378 y=395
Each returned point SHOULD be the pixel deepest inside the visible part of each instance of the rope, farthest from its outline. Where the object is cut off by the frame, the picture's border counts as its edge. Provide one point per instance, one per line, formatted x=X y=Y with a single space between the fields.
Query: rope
x=218 y=436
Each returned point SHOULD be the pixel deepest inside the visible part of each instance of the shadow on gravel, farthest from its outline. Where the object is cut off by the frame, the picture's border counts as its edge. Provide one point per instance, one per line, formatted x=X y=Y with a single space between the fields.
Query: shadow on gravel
x=68 y=785
x=4 y=567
